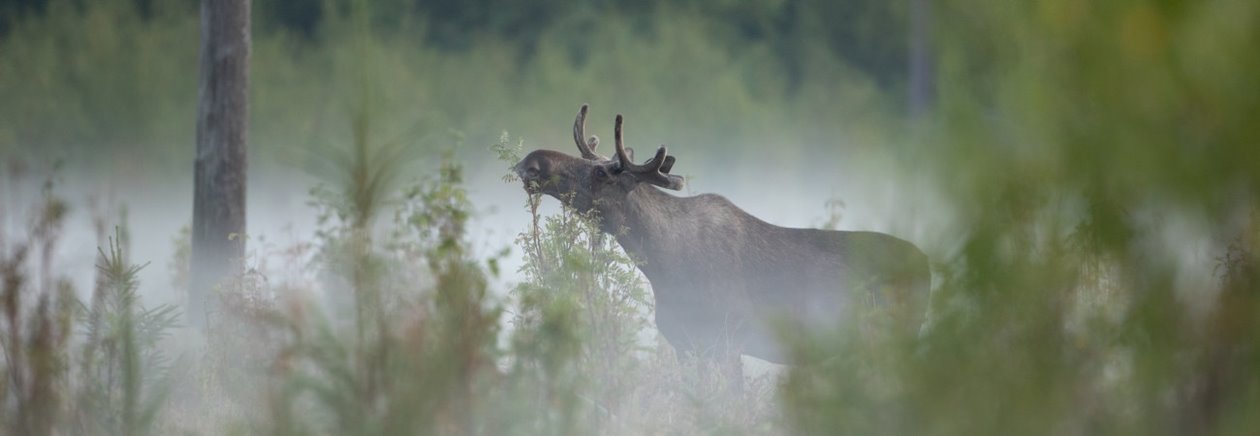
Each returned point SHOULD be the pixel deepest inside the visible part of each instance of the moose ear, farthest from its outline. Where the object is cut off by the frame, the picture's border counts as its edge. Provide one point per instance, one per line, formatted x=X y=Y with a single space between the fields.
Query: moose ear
x=669 y=164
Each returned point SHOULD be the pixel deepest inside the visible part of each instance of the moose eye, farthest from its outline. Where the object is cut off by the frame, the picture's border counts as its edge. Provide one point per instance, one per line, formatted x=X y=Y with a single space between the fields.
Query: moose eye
x=599 y=171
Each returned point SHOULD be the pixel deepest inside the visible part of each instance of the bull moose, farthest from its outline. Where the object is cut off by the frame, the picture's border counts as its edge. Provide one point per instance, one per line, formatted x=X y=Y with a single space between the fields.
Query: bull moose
x=720 y=276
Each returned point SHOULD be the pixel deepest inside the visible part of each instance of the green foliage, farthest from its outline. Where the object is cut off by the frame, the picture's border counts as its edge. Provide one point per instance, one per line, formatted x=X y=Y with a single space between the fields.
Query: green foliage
x=106 y=378
x=68 y=73
x=99 y=76
x=1085 y=148
x=34 y=335
x=123 y=368
x=588 y=303
x=420 y=355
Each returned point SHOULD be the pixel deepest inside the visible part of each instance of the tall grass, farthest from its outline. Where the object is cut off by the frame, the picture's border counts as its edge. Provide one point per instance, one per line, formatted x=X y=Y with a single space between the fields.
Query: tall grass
x=69 y=366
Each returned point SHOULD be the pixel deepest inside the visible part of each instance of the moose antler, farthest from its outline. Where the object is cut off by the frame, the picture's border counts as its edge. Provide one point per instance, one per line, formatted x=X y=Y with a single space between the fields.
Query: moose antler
x=655 y=170
x=586 y=146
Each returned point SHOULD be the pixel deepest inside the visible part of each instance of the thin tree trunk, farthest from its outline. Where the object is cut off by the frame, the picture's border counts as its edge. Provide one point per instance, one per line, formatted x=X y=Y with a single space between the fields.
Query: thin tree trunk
x=921 y=83
x=218 y=229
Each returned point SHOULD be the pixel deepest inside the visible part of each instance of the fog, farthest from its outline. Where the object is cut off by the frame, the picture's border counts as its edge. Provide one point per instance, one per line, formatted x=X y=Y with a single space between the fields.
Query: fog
x=875 y=193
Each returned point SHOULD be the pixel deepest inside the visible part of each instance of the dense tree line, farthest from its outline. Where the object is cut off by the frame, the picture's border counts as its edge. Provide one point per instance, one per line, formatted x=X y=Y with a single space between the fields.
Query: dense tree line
x=870 y=35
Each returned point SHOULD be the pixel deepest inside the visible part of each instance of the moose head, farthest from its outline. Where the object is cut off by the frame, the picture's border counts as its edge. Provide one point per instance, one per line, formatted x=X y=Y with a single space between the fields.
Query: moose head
x=594 y=182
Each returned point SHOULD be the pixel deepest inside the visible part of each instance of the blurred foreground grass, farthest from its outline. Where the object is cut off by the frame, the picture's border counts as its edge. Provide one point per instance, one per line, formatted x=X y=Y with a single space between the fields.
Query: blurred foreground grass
x=1104 y=163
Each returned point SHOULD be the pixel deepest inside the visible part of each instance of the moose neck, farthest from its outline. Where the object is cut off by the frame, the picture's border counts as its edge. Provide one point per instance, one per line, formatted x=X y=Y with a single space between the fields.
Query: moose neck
x=644 y=224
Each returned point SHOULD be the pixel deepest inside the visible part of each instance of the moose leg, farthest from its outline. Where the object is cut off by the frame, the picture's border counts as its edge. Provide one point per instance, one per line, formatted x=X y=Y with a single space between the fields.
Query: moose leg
x=732 y=367
x=712 y=357
x=720 y=369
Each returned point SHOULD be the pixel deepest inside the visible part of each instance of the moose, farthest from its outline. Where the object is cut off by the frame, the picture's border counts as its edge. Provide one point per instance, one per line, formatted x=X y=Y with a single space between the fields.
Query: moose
x=721 y=278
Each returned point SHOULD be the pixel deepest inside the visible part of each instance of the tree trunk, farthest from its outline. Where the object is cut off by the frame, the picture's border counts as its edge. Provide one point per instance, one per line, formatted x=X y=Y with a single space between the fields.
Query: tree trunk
x=921 y=86
x=218 y=228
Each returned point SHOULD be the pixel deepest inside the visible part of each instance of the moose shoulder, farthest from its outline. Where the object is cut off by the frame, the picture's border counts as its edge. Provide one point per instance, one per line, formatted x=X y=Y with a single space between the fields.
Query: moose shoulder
x=720 y=277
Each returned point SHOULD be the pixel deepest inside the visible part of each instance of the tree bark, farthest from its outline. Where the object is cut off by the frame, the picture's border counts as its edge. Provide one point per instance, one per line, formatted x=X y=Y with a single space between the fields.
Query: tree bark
x=218 y=228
